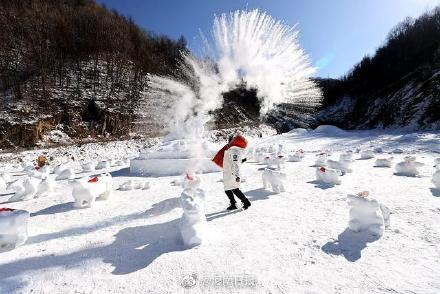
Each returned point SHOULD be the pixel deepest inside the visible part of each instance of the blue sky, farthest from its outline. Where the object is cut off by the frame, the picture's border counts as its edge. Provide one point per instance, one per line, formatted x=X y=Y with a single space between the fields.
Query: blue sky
x=337 y=33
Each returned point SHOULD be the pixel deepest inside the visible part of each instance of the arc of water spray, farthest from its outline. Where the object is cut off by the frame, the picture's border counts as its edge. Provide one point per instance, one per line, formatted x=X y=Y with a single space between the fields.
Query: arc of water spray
x=245 y=46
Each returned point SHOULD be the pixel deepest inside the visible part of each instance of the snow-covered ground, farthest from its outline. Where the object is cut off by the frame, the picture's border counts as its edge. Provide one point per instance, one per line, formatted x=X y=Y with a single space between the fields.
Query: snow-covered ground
x=293 y=242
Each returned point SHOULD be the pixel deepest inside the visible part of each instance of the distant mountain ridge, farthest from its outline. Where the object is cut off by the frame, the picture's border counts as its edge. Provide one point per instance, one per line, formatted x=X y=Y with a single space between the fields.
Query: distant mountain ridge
x=399 y=87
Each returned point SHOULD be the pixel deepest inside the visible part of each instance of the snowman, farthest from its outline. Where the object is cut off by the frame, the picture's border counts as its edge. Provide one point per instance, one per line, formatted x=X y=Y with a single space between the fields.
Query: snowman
x=193 y=225
x=367 y=214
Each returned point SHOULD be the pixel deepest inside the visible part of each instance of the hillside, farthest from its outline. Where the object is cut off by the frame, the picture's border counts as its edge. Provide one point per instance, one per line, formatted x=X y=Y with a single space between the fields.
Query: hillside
x=398 y=87
x=74 y=68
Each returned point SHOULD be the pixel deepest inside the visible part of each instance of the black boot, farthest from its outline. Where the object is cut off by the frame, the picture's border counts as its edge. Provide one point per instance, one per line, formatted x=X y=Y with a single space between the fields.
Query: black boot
x=232 y=206
x=246 y=205
x=242 y=197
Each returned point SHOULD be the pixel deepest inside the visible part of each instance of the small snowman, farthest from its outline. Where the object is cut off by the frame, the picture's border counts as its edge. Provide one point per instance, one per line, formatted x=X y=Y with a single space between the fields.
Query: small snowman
x=193 y=225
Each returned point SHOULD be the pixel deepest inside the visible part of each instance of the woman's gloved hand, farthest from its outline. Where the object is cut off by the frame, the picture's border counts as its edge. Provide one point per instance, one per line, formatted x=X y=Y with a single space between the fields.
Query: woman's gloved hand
x=237 y=179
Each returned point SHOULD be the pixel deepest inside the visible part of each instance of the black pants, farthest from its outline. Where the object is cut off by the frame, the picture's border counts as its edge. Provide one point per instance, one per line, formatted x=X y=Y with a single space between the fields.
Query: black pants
x=238 y=193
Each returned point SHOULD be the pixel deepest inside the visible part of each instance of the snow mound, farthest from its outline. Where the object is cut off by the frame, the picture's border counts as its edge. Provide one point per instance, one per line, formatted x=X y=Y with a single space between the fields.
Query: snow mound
x=366 y=214
x=13 y=227
x=329 y=130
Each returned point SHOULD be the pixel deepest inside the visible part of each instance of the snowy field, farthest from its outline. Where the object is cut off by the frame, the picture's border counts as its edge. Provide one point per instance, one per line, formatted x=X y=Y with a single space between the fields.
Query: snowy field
x=293 y=242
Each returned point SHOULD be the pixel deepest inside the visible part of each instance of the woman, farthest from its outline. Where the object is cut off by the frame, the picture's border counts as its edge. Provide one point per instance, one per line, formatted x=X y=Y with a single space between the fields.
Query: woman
x=230 y=158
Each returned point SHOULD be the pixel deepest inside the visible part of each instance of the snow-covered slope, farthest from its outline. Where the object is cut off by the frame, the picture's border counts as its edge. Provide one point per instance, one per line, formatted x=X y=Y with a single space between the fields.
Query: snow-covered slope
x=292 y=242
x=411 y=103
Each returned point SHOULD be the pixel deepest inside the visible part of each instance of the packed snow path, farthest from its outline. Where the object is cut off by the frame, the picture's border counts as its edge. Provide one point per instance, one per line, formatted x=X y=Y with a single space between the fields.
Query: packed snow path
x=292 y=242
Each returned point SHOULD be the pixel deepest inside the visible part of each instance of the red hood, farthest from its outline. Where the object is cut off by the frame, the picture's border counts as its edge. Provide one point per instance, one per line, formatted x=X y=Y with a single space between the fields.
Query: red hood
x=237 y=141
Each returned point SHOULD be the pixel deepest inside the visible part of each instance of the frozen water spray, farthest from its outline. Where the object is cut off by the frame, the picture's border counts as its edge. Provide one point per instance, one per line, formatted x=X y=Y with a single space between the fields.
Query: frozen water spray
x=245 y=48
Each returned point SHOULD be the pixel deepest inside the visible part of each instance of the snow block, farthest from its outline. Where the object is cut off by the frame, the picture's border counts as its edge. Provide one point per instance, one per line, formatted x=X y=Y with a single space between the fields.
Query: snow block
x=383 y=162
x=13 y=227
x=87 y=190
x=328 y=175
x=408 y=167
x=274 y=179
x=193 y=224
x=66 y=174
x=366 y=214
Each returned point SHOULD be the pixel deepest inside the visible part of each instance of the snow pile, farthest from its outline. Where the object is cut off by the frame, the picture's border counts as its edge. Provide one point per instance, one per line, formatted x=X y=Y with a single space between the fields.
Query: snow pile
x=86 y=191
x=436 y=176
x=25 y=189
x=383 y=162
x=367 y=154
x=408 y=167
x=330 y=130
x=66 y=174
x=274 y=179
x=134 y=185
x=328 y=175
x=366 y=214
x=13 y=227
x=193 y=225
